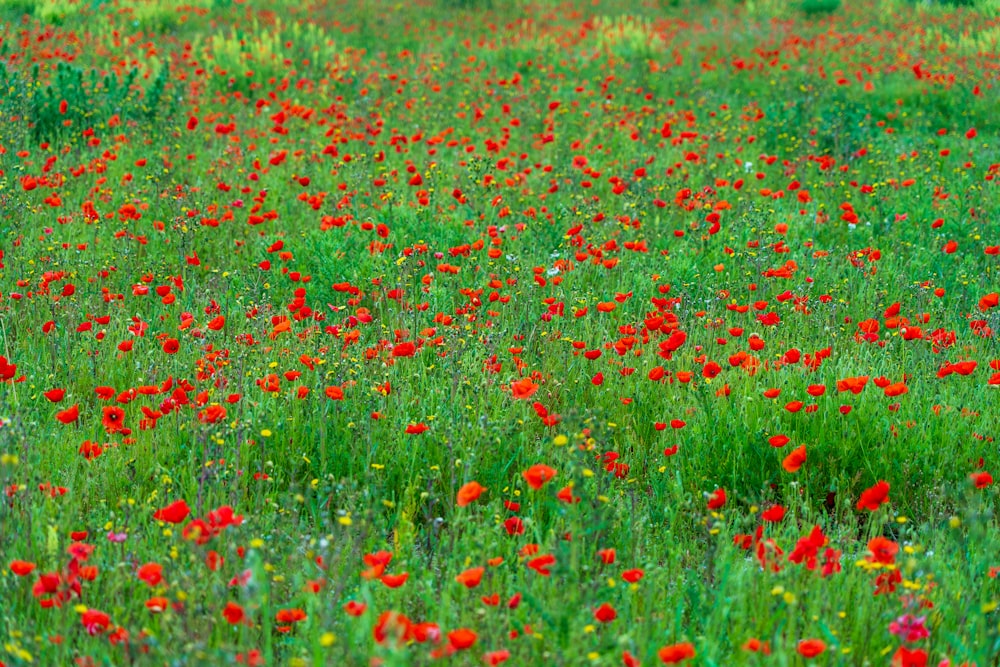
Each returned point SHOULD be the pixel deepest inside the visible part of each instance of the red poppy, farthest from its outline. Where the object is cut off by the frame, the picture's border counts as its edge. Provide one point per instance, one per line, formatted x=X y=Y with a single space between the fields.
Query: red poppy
x=676 y=653
x=171 y=346
x=537 y=475
x=233 y=613
x=113 y=419
x=286 y=616
x=471 y=577
x=883 y=550
x=773 y=514
x=462 y=639
x=633 y=576
x=523 y=389
x=469 y=493
x=395 y=580
x=795 y=459
x=810 y=648
x=175 y=512
x=150 y=573
x=605 y=613
x=95 y=622
x=874 y=497
x=69 y=415
x=55 y=395
x=22 y=568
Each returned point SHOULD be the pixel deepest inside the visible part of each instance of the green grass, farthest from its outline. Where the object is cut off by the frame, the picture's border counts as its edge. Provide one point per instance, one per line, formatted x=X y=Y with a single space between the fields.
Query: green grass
x=468 y=178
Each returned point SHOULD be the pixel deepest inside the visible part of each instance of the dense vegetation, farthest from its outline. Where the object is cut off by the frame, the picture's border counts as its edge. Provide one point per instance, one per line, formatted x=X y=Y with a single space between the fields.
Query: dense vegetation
x=465 y=332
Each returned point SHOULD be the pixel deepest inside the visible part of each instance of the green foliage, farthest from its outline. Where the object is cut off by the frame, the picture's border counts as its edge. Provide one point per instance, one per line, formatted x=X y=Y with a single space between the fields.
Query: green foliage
x=819 y=7
x=88 y=96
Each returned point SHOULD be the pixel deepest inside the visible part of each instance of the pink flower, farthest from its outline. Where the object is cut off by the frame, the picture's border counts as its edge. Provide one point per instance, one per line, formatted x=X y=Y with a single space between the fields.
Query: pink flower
x=909 y=628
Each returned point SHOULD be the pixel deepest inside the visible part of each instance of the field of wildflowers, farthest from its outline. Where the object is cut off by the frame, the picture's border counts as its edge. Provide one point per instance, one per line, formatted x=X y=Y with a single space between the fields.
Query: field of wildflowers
x=537 y=333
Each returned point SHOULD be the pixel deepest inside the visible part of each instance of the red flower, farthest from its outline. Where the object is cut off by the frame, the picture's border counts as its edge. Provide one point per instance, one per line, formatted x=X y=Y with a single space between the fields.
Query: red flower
x=404 y=349
x=982 y=479
x=151 y=573
x=395 y=580
x=171 y=346
x=175 y=512
x=471 y=577
x=717 y=500
x=904 y=657
x=605 y=613
x=354 y=608
x=810 y=648
x=21 y=568
x=883 y=550
x=795 y=459
x=676 y=653
x=55 y=395
x=537 y=475
x=286 y=616
x=462 y=639
x=69 y=415
x=95 y=622
x=113 y=419
x=523 y=389
x=873 y=498
x=468 y=493
x=773 y=514
x=541 y=564
x=234 y=613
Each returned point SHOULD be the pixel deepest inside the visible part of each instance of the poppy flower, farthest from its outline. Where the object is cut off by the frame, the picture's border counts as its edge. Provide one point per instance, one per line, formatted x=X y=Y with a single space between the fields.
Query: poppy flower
x=810 y=648
x=795 y=459
x=395 y=580
x=779 y=440
x=537 y=475
x=605 y=613
x=633 y=576
x=157 y=604
x=873 y=498
x=982 y=479
x=416 y=429
x=55 y=395
x=21 y=568
x=904 y=657
x=523 y=389
x=469 y=493
x=113 y=419
x=95 y=622
x=175 y=512
x=233 y=613
x=462 y=639
x=883 y=550
x=171 y=346
x=676 y=653
x=471 y=577
x=514 y=526
x=494 y=658
x=392 y=624
x=754 y=645
x=286 y=616
x=69 y=415
x=773 y=514
x=150 y=573
x=355 y=608
x=717 y=499
x=541 y=564
x=404 y=349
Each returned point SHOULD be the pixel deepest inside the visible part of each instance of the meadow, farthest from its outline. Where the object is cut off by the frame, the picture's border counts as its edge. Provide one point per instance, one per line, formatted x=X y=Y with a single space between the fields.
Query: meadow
x=465 y=332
